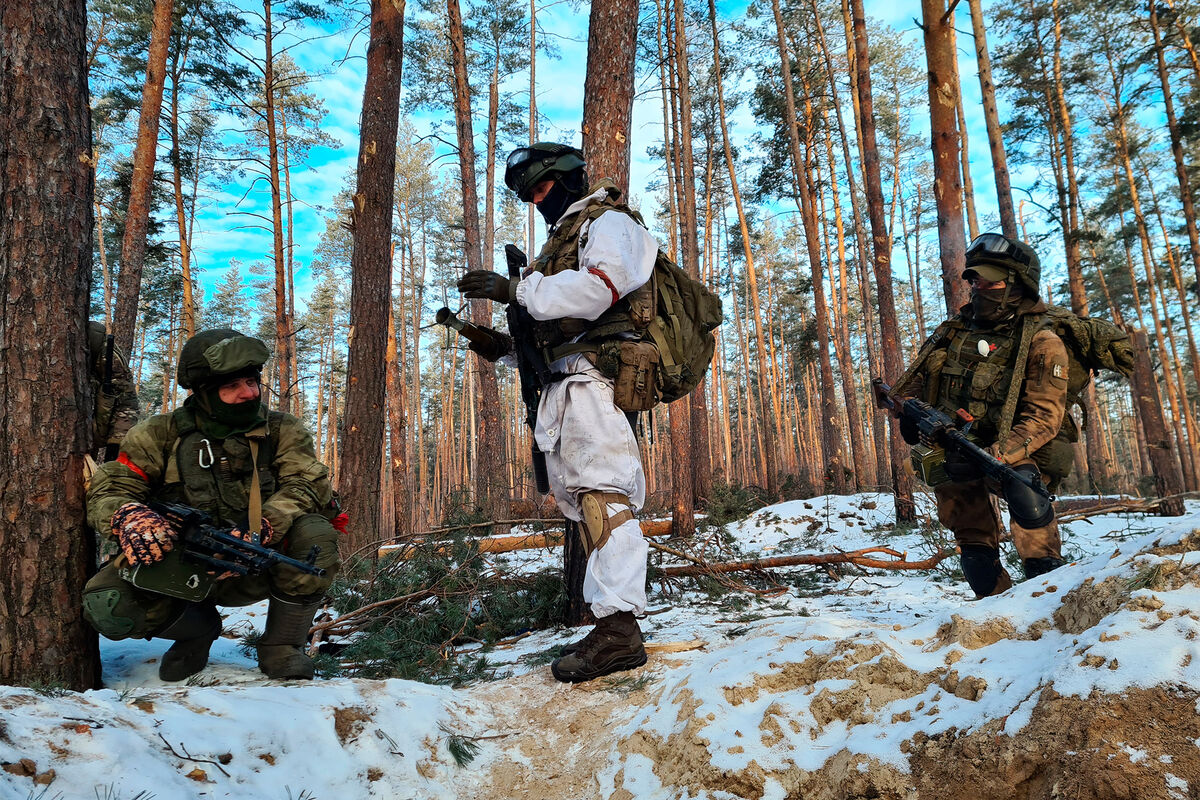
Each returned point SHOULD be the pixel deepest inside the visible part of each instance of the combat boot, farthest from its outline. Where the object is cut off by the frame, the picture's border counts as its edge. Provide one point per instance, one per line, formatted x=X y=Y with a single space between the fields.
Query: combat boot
x=281 y=653
x=1040 y=566
x=614 y=644
x=983 y=571
x=194 y=631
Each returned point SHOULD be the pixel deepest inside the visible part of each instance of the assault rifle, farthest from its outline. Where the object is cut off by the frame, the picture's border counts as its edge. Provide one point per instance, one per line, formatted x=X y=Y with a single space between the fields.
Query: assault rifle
x=532 y=369
x=204 y=552
x=108 y=389
x=1029 y=501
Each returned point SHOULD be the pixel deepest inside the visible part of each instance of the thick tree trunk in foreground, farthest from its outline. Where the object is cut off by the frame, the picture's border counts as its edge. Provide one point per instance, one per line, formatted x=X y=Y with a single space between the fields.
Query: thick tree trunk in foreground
x=371 y=277
x=608 y=89
x=893 y=362
x=45 y=402
x=1168 y=477
x=137 y=218
x=943 y=124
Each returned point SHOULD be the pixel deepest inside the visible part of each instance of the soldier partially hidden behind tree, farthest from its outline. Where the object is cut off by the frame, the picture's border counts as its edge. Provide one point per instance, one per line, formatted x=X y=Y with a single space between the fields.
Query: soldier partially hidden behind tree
x=203 y=455
x=999 y=361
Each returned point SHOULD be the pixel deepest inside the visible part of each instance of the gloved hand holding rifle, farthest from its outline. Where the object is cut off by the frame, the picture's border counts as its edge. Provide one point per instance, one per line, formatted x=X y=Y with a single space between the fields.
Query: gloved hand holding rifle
x=493 y=345
x=1029 y=501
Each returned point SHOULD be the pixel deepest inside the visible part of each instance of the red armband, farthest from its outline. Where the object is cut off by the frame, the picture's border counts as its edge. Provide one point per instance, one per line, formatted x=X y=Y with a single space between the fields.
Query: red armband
x=123 y=458
x=600 y=274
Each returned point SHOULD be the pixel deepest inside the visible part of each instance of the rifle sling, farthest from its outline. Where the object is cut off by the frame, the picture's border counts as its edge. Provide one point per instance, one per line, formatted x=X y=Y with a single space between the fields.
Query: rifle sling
x=254 y=438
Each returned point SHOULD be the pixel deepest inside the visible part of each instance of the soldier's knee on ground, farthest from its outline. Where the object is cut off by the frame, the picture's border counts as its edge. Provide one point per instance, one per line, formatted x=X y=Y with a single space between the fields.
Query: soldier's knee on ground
x=597 y=525
x=307 y=532
x=118 y=610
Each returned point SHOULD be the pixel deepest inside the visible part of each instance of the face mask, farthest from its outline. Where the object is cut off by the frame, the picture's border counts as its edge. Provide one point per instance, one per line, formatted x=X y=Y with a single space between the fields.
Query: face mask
x=993 y=305
x=555 y=203
x=226 y=419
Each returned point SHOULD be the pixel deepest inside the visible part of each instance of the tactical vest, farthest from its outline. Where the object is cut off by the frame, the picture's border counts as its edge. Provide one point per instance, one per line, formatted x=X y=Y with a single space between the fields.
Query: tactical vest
x=214 y=475
x=977 y=371
x=631 y=314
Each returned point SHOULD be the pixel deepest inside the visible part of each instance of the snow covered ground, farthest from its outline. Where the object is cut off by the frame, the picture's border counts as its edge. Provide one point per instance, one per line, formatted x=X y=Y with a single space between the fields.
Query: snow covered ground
x=877 y=684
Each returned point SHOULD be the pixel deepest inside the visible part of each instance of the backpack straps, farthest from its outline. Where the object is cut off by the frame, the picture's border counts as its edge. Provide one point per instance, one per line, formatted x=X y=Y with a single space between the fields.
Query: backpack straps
x=1030 y=324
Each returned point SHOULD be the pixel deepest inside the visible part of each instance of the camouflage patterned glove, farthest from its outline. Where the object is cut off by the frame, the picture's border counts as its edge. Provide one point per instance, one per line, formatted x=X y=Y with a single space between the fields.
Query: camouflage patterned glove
x=145 y=537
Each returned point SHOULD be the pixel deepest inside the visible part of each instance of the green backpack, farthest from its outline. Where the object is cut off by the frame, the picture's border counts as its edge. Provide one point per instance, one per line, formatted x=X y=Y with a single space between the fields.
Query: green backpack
x=686 y=314
x=1092 y=345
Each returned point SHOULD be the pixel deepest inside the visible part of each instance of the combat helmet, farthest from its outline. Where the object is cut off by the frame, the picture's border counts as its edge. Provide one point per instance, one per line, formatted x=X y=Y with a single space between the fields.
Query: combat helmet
x=220 y=355
x=528 y=166
x=995 y=257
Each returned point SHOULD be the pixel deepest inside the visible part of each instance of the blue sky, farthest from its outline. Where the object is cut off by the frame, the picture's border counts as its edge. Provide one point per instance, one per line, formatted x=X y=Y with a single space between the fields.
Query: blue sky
x=338 y=63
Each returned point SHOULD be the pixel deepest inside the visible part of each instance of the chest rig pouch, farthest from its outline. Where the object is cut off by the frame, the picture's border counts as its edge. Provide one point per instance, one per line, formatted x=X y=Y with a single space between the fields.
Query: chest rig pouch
x=977 y=374
x=215 y=475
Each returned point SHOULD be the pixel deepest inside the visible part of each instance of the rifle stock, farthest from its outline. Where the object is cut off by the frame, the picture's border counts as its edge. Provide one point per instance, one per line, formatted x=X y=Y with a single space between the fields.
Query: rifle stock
x=531 y=365
x=1029 y=501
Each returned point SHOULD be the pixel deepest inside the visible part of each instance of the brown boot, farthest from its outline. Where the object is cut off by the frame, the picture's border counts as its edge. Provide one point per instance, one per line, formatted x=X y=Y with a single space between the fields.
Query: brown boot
x=614 y=644
x=281 y=653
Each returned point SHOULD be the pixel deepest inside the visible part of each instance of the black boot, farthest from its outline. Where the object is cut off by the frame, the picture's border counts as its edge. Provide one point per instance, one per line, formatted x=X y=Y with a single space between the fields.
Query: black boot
x=281 y=653
x=194 y=631
x=1042 y=565
x=614 y=644
x=983 y=571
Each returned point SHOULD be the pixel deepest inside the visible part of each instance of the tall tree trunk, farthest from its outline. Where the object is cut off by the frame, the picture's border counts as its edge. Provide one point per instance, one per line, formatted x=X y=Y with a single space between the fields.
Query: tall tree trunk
x=770 y=455
x=834 y=459
x=938 y=24
x=608 y=89
x=692 y=444
x=45 y=397
x=964 y=144
x=397 y=424
x=185 y=255
x=1004 y=201
x=141 y=183
x=893 y=360
x=488 y=469
x=1168 y=479
x=283 y=339
x=371 y=276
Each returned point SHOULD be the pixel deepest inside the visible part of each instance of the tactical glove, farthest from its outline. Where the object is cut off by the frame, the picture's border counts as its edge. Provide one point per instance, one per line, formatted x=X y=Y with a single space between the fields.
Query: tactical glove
x=909 y=432
x=144 y=536
x=266 y=534
x=488 y=285
x=959 y=468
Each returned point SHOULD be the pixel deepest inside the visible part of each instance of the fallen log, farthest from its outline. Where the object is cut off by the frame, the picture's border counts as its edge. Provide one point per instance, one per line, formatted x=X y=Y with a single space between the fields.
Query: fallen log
x=859 y=558
x=657 y=528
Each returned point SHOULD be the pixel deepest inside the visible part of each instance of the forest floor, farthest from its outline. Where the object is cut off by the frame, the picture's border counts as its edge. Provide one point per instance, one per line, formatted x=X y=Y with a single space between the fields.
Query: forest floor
x=1083 y=683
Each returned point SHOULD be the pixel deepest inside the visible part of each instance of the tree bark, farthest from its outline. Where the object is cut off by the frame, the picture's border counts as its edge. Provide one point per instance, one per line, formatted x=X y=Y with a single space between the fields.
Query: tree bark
x=46 y=188
x=943 y=123
x=137 y=217
x=1004 y=201
x=893 y=361
x=371 y=276
x=608 y=89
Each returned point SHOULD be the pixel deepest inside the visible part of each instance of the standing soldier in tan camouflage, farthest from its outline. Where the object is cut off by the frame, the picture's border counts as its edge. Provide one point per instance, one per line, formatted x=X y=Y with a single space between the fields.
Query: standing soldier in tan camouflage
x=112 y=386
x=999 y=361
x=250 y=470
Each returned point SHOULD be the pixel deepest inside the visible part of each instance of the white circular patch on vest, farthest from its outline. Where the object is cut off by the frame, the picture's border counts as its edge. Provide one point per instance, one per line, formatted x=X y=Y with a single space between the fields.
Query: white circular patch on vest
x=984 y=348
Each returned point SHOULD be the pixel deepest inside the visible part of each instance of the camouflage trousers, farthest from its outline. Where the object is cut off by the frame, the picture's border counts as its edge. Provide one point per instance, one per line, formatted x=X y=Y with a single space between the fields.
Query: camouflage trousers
x=119 y=610
x=971 y=512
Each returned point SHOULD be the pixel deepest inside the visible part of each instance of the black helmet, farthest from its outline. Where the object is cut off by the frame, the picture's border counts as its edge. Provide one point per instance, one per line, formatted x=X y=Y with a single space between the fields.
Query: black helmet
x=529 y=166
x=994 y=257
x=220 y=354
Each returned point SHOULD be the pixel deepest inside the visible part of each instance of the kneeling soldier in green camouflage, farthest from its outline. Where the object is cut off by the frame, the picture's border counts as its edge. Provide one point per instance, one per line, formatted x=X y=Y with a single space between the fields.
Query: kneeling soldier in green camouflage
x=246 y=468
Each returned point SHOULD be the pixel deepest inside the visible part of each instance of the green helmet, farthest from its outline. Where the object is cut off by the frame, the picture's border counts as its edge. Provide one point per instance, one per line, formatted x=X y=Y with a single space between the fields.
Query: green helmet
x=994 y=257
x=529 y=166
x=220 y=354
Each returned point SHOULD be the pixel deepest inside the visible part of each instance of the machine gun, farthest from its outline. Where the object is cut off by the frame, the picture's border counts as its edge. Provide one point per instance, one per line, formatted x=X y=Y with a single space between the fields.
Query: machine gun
x=205 y=552
x=1029 y=501
x=532 y=368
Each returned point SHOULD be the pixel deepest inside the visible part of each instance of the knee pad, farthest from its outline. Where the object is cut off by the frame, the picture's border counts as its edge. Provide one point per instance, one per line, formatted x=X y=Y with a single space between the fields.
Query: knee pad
x=113 y=614
x=597 y=525
x=307 y=531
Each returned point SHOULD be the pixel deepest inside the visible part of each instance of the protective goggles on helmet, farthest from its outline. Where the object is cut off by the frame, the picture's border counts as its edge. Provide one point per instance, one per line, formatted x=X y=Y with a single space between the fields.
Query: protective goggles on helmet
x=528 y=166
x=994 y=245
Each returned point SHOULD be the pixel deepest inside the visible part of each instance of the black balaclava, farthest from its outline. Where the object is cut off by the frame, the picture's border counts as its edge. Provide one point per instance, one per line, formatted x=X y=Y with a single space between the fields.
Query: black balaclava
x=221 y=419
x=567 y=189
x=992 y=306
